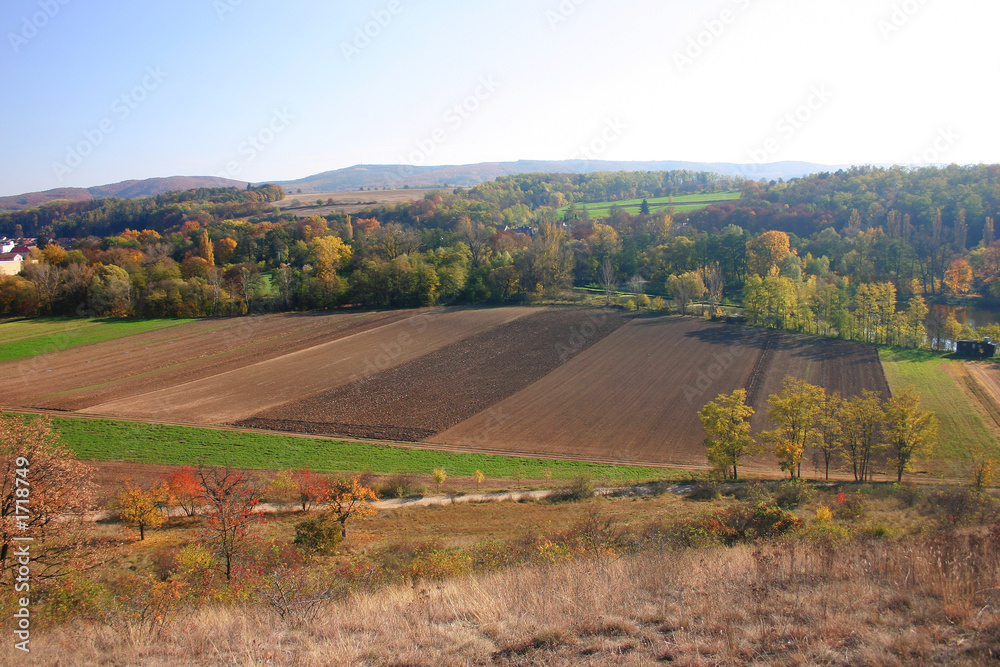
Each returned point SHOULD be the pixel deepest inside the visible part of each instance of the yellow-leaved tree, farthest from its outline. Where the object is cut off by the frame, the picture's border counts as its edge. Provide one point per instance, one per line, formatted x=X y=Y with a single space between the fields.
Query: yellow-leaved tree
x=794 y=411
x=726 y=421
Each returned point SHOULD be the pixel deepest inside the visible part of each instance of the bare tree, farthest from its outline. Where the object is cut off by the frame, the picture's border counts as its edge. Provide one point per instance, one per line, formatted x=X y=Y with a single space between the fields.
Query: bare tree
x=715 y=283
x=230 y=500
x=608 y=280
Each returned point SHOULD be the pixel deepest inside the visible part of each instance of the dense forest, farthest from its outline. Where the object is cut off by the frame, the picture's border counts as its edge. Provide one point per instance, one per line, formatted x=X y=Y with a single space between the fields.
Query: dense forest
x=858 y=253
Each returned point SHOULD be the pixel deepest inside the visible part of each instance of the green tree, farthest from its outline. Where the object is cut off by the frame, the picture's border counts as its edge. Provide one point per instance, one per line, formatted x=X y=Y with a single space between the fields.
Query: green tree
x=726 y=422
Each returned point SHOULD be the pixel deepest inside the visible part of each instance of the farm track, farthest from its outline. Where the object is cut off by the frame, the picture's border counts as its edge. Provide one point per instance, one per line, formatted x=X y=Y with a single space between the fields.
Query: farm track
x=415 y=400
x=983 y=382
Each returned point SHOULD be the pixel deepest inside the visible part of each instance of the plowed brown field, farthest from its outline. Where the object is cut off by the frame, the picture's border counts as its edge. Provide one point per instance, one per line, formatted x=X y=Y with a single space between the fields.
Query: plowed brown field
x=82 y=377
x=566 y=382
x=429 y=394
x=242 y=392
x=635 y=395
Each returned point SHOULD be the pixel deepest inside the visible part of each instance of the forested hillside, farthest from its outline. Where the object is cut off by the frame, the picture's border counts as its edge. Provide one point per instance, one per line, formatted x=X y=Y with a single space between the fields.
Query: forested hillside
x=853 y=253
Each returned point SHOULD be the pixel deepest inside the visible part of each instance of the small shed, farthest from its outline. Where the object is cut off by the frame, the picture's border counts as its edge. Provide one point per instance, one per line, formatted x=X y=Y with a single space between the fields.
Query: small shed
x=976 y=348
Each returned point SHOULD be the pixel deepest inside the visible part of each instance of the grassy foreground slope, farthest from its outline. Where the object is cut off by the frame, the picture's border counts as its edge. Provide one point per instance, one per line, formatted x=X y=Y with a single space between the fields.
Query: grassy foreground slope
x=962 y=429
x=139 y=442
x=25 y=338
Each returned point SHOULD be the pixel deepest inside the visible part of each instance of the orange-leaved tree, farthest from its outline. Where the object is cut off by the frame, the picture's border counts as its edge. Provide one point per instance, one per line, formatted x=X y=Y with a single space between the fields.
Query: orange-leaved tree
x=349 y=497
x=312 y=489
x=185 y=489
x=40 y=482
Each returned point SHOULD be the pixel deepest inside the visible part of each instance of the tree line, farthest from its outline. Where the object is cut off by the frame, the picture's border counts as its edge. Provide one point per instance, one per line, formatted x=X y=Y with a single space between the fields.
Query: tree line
x=866 y=433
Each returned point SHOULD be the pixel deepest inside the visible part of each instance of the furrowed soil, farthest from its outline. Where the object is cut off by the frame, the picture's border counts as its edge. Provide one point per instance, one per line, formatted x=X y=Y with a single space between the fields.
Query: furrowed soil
x=427 y=395
x=242 y=392
x=635 y=395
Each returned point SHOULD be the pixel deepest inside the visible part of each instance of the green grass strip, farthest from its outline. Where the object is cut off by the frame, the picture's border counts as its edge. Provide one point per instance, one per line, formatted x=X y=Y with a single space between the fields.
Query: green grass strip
x=139 y=442
x=961 y=430
x=27 y=338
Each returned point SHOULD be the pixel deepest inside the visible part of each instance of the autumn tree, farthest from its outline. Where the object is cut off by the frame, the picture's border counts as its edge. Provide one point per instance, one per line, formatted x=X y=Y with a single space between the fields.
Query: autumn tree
x=794 y=410
x=766 y=251
x=310 y=488
x=42 y=486
x=223 y=250
x=829 y=430
x=714 y=281
x=726 y=422
x=349 y=498
x=862 y=418
x=205 y=248
x=230 y=499
x=140 y=507
x=958 y=277
x=685 y=287
x=909 y=431
x=183 y=487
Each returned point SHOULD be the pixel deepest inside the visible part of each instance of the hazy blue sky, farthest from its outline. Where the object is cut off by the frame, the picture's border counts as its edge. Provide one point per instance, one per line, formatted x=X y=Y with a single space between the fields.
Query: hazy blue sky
x=99 y=91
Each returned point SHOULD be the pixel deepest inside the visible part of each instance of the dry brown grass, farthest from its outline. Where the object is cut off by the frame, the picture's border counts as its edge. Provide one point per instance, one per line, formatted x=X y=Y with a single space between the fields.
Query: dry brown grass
x=921 y=600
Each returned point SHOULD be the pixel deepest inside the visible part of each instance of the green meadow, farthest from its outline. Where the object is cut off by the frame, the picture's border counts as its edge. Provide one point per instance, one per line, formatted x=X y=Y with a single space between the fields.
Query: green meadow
x=139 y=442
x=26 y=338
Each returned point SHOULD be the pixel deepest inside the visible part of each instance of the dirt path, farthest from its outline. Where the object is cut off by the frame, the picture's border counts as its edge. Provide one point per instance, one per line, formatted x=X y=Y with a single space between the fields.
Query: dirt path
x=422 y=501
x=982 y=381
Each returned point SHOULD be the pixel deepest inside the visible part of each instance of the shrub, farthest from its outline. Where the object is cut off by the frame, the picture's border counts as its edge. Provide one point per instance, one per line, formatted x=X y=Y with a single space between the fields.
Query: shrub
x=962 y=505
x=849 y=507
x=401 y=485
x=704 y=490
x=321 y=534
x=748 y=522
x=581 y=488
x=823 y=514
x=753 y=493
x=793 y=493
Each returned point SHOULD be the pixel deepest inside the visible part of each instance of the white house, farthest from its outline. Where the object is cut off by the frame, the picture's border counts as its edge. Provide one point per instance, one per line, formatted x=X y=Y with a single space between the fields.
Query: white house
x=11 y=263
x=6 y=246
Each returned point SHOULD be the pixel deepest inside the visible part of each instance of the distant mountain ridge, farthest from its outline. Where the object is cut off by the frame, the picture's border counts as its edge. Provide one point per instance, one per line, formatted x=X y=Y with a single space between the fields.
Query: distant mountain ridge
x=399 y=175
x=131 y=189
